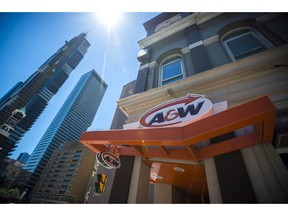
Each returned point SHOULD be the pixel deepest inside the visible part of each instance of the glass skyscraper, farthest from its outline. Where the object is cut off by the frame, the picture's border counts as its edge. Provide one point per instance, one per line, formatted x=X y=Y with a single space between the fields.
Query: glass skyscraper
x=23 y=157
x=22 y=105
x=74 y=117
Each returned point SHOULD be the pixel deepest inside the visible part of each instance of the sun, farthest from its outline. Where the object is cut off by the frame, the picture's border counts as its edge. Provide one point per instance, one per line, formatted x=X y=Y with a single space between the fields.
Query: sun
x=109 y=19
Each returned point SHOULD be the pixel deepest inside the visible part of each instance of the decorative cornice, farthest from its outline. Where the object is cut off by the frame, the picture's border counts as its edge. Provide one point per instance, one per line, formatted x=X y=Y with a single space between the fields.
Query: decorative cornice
x=205 y=42
x=185 y=50
x=222 y=78
x=144 y=66
x=196 y=44
x=211 y=40
x=195 y=18
x=150 y=65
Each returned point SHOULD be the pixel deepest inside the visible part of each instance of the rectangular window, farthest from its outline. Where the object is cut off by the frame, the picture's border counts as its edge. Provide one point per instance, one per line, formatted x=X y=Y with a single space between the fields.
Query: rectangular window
x=244 y=45
x=172 y=72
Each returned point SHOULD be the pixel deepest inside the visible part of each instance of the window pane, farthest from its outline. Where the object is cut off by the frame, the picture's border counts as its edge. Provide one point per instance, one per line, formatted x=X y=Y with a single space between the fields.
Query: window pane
x=243 y=55
x=245 y=45
x=172 y=80
x=236 y=33
x=172 y=69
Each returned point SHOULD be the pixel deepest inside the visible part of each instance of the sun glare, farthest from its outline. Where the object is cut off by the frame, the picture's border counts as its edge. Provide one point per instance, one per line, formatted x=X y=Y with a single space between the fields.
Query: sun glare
x=109 y=19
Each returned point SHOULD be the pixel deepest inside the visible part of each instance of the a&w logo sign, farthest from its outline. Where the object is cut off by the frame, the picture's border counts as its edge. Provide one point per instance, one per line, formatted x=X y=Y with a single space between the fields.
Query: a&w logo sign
x=108 y=160
x=189 y=108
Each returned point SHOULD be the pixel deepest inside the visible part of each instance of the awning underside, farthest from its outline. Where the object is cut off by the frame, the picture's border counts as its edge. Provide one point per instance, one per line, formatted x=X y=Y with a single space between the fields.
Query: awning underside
x=182 y=142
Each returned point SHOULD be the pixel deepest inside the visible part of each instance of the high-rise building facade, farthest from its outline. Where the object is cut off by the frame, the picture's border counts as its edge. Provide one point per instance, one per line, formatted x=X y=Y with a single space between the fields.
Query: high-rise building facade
x=66 y=175
x=74 y=117
x=236 y=151
x=23 y=157
x=117 y=123
x=23 y=104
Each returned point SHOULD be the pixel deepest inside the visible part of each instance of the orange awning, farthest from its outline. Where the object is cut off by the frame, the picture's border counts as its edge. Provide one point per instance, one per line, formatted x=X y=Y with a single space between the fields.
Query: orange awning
x=179 y=142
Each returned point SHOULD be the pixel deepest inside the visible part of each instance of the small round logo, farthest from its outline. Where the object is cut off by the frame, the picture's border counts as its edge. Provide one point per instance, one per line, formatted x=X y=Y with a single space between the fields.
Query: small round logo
x=108 y=160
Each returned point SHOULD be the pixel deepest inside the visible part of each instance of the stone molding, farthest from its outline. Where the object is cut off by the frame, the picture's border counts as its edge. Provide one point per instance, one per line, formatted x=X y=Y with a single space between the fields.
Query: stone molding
x=195 y=18
x=236 y=82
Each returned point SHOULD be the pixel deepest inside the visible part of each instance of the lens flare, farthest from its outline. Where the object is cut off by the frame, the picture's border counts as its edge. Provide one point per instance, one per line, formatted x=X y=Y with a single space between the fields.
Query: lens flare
x=109 y=19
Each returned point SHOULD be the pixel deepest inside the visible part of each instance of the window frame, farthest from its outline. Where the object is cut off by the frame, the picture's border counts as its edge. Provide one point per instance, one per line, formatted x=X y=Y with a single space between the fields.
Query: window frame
x=250 y=30
x=166 y=62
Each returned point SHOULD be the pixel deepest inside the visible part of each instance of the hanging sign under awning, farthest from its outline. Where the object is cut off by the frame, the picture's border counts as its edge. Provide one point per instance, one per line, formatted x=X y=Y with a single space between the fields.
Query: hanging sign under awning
x=108 y=160
x=190 y=108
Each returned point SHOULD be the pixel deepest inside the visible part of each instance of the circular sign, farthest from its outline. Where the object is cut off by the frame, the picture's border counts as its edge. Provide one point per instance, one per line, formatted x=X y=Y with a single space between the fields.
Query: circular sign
x=108 y=160
x=185 y=109
x=100 y=160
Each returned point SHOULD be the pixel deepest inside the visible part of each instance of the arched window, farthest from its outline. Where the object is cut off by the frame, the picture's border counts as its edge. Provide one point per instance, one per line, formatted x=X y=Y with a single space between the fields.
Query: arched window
x=243 y=42
x=171 y=70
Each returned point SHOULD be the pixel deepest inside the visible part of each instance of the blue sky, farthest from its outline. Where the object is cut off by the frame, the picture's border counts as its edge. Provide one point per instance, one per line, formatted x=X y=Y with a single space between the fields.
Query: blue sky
x=29 y=39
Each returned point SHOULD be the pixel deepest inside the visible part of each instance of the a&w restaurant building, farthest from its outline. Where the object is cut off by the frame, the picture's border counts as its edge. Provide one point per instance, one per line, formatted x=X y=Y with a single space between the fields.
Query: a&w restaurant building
x=206 y=121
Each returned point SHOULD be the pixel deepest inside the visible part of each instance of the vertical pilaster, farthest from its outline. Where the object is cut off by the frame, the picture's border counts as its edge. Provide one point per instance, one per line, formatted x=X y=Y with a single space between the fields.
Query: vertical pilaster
x=141 y=80
x=267 y=172
x=211 y=177
x=212 y=181
x=198 y=52
x=139 y=184
x=162 y=193
x=234 y=181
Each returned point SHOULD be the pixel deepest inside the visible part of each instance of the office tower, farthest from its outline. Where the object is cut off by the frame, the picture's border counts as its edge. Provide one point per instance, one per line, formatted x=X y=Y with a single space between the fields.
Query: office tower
x=22 y=105
x=66 y=175
x=117 y=123
x=74 y=117
x=23 y=157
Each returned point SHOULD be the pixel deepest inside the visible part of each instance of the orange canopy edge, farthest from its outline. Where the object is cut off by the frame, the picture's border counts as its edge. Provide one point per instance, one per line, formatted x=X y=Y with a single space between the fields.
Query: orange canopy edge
x=179 y=142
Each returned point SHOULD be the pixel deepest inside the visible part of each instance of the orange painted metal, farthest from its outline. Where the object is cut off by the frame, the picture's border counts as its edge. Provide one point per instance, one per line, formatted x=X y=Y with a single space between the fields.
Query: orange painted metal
x=166 y=142
x=192 y=180
x=227 y=146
